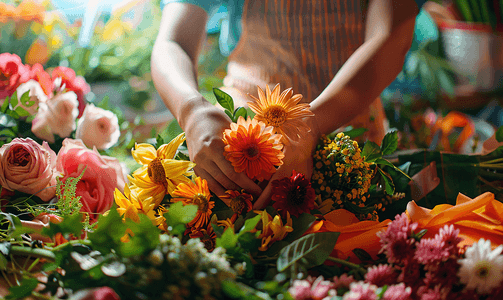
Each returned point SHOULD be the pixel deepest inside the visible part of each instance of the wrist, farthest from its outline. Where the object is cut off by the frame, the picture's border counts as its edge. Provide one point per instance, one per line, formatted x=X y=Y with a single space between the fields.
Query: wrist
x=190 y=109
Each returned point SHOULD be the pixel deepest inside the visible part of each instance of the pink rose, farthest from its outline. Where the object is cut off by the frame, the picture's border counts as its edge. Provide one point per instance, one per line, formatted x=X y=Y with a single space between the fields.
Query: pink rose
x=56 y=116
x=74 y=83
x=98 y=128
x=27 y=167
x=102 y=293
x=102 y=175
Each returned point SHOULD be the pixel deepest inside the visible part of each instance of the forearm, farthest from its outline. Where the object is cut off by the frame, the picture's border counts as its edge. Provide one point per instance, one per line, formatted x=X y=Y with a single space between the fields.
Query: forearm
x=365 y=75
x=174 y=76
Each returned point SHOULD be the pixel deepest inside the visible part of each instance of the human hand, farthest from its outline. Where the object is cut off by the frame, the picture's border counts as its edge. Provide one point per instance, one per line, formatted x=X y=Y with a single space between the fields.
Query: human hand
x=298 y=157
x=204 y=132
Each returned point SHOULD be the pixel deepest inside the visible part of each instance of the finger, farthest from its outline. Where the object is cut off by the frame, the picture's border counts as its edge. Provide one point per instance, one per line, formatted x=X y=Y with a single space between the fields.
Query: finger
x=265 y=197
x=239 y=179
x=221 y=178
x=213 y=185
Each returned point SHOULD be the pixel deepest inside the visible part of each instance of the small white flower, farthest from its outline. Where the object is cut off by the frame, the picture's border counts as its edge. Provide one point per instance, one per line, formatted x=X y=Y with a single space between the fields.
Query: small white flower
x=481 y=269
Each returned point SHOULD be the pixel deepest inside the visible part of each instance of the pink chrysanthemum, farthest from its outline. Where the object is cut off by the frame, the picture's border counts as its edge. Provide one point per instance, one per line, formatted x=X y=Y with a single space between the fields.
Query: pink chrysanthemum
x=436 y=293
x=397 y=292
x=311 y=289
x=343 y=281
x=444 y=274
x=431 y=251
x=411 y=274
x=381 y=275
x=396 y=241
x=449 y=236
x=361 y=291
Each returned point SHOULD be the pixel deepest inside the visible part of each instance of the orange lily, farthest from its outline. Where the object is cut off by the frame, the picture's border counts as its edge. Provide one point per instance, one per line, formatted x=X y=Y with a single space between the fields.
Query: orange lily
x=481 y=217
x=353 y=233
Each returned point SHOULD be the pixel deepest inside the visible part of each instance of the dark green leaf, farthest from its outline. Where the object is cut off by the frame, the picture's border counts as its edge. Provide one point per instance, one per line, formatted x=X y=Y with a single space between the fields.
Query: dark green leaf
x=8 y=133
x=314 y=248
x=420 y=234
x=384 y=162
x=499 y=134
x=300 y=225
x=109 y=232
x=3 y=262
x=362 y=255
x=229 y=114
x=24 y=290
x=389 y=143
x=388 y=182
x=14 y=101
x=240 y=112
x=371 y=151
x=159 y=141
x=224 y=99
x=145 y=237
x=446 y=82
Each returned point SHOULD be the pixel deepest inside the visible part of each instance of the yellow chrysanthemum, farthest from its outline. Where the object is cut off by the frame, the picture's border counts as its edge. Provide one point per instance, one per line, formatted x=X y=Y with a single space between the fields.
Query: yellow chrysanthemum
x=273 y=229
x=198 y=194
x=160 y=173
x=129 y=206
x=282 y=111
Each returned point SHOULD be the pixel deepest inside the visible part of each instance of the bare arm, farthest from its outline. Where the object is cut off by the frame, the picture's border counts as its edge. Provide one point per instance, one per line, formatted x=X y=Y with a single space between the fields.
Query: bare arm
x=388 y=36
x=174 y=72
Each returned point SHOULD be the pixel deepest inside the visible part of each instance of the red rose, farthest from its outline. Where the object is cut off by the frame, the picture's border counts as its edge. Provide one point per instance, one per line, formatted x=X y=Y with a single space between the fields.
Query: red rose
x=11 y=69
x=73 y=83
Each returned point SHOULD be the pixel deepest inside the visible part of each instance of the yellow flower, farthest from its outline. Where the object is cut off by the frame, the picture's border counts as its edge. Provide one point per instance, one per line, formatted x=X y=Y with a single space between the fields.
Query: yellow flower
x=227 y=223
x=160 y=173
x=129 y=205
x=281 y=111
x=273 y=229
x=115 y=29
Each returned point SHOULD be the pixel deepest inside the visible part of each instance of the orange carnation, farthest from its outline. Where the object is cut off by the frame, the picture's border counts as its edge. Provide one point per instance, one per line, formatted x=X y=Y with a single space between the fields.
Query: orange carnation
x=253 y=148
x=481 y=217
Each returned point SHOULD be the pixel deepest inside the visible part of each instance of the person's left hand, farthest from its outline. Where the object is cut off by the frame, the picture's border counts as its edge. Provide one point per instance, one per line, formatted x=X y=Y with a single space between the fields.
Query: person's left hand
x=298 y=157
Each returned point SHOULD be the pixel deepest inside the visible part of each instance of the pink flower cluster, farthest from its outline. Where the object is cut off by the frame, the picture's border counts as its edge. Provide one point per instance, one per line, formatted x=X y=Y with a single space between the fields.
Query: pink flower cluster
x=31 y=168
x=417 y=268
x=56 y=101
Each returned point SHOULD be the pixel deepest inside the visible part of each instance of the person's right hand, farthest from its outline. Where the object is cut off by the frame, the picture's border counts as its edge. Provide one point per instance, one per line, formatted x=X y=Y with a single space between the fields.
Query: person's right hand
x=204 y=132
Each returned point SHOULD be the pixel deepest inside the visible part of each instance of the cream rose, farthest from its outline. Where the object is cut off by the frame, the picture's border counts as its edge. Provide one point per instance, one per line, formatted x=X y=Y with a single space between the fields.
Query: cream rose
x=28 y=167
x=56 y=116
x=36 y=94
x=102 y=175
x=98 y=128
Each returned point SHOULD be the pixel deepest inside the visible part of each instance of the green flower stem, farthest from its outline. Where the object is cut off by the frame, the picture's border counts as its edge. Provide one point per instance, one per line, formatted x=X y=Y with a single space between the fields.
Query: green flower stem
x=37 y=252
x=72 y=242
x=497 y=160
x=346 y=263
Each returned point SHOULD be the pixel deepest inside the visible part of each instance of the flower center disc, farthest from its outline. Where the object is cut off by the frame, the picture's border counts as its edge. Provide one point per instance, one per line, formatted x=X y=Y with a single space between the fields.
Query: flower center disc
x=297 y=196
x=156 y=172
x=201 y=201
x=482 y=271
x=275 y=116
x=252 y=152
x=237 y=205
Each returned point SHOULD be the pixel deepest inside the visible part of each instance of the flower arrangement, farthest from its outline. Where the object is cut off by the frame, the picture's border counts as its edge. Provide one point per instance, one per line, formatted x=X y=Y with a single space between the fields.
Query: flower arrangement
x=160 y=232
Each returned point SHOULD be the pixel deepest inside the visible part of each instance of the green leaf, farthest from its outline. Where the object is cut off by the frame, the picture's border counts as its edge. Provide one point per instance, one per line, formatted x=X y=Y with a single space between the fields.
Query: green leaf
x=24 y=290
x=300 y=225
x=108 y=234
x=362 y=254
x=26 y=100
x=499 y=134
x=71 y=224
x=145 y=237
x=371 y=151
x=224 y=99
x=355 y=132
x=250 y=224
x=5 y=105
x=159 y=141
x=412 y=64
x=228 y=240
x=3 y=262
x=388 y=182
x=314 y=248
x=240 y=112
x=180 y=214
x=389 y=143
x=384 y=162
x=14 y=101
x=21 y=111
x=7 y=132
x=446 y=82
x=229 y=114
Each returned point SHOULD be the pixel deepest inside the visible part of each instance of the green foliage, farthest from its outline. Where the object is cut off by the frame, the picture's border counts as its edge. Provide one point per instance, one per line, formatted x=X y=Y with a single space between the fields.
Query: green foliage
x=68 y=203
x=314 y=248
x=371 y=151
x=178 y=215
x=389 y=143
x=499 y=134
x=24 y=290
x=226 y=101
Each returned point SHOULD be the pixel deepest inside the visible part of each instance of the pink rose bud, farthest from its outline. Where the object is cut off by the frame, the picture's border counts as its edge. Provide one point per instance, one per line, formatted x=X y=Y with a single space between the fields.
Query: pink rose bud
x=57 y=116
x=98 y=128
x=102 y=175
x=27 y=167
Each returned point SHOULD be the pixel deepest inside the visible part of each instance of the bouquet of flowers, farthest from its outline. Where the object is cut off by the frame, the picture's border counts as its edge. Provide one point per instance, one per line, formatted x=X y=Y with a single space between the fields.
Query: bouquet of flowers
x=163 y=234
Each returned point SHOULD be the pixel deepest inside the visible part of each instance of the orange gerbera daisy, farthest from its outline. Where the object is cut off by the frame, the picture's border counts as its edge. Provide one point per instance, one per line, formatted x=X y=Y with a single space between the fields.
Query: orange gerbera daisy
x=282 y=111
x=198 y=194
x=239 y=202
x=253 y=148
